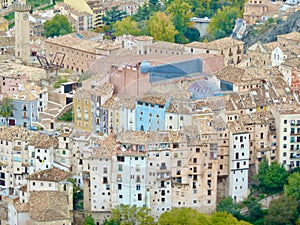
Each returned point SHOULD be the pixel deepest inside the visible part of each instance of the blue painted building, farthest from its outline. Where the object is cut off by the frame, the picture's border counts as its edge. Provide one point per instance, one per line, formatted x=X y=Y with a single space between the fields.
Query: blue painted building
x=150 y=113
x=25 y=110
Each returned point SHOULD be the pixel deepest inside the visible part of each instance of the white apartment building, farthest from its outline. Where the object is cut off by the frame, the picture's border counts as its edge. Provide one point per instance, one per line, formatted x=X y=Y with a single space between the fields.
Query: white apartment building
x=239 y=165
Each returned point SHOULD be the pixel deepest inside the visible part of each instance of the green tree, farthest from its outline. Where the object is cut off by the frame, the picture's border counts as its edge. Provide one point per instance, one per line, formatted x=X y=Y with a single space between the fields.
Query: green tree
x=181 y=13
x=77 y=195
x=89 y=220
x=161 y=27
x=227 y=205
x=271 y=178
x=222 y=23
x=220 y=218
x=183 y=216
x=282 y=211
x=131 y=215
x=192 y=34
x=292 y=188
x=126 y=26
x=6 y=108
x=59 y=25
x=113 y=15
x=254 y=211
x=111 y=222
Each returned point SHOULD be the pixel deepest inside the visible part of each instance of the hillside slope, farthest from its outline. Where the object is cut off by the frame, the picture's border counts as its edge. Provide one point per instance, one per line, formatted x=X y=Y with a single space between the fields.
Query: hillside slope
x=267 y=34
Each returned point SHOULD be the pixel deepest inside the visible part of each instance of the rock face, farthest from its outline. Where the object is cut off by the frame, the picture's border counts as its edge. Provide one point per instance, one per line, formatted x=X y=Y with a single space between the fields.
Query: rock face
x=268 y=34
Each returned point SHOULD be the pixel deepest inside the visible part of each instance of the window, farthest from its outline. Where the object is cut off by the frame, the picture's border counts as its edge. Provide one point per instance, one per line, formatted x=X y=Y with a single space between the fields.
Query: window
x=139 y=197
x=104 y=169
x=120 y=167
x=119 y=186
x=138 y=187
x=179 y=163
x=209 y=192
x=237 y=165
x=105 y=180
x=285 y=122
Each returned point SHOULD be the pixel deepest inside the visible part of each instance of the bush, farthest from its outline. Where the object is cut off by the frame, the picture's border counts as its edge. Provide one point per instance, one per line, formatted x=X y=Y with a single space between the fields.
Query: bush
x=67 y=117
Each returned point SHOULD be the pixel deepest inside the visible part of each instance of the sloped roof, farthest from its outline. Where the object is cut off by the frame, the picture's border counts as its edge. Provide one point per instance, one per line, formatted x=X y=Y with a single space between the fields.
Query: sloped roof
x=53 y=174
x=48 y=206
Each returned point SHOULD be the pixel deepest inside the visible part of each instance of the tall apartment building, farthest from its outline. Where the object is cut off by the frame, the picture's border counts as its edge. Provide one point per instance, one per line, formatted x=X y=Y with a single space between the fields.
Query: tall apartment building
x=94 y=8
x=239 y=164
x=288 y=139
x=160 y=170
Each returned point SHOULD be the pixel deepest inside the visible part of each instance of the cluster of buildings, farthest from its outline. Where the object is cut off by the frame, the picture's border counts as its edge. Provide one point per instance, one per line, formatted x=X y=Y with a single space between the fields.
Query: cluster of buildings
x=157 y=124
x=162 y=126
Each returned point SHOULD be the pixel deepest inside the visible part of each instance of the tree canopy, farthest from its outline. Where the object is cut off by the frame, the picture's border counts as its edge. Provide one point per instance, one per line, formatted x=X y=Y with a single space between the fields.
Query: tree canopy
x=126 y=26
x=271 y=178
x=113 y=15
x=227 y=205
x=183 y=216
x=59 y=25
x=161 y=27
x=130 y=215
x=6 y=108
x=292 y=188
x=189 y=216
x=222 y=23
x=89 y=220
x=282 y=211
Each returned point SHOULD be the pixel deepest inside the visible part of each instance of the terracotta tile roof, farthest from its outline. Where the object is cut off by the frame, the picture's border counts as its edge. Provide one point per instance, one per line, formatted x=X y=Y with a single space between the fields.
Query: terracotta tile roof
x=7 y=41
x=72 y=41
x=167 y=45
x=82 y=93
x=153 y=98
x=53 y=174
x=218 y=44
x=25 y=95
x=271 y=46
x=48 y=206
x=222 y=43
x=32 y=137
x=21 y=207
x=291 y=36
x=293 y=62
x=23 y=188
x=143 y=38
x=104 y=89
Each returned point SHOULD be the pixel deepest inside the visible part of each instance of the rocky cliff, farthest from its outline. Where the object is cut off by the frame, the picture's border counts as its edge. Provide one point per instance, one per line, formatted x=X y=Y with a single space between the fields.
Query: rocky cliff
x=267 y=33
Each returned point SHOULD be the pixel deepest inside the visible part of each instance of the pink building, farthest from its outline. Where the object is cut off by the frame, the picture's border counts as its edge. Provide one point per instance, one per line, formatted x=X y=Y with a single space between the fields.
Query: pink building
x=9 y=84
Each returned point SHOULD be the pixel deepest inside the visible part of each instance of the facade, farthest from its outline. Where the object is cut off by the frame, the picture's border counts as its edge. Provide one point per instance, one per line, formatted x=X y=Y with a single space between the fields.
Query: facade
x=150 y=113
x=93 y=8
x=258 y=56
x=287 y=124
x=239 y=165
x=22 y=36
x=232 y=50
x=78 y=52
x=254 y=10
x=10 y=83
x=47 y=198
x=152 y=169
x=25 y=110
x=26 y=152
x=82 y=105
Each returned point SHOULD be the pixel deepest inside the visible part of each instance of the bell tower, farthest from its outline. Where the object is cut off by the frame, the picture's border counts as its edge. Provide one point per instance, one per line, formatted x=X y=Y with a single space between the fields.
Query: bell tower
x=22 y=31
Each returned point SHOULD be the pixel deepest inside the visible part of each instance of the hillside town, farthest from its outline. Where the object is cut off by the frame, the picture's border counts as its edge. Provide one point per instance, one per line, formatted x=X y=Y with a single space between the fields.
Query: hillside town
x=151 y=123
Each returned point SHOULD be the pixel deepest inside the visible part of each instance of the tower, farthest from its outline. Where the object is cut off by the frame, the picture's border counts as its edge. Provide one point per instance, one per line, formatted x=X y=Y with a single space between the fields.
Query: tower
x=22 y=31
